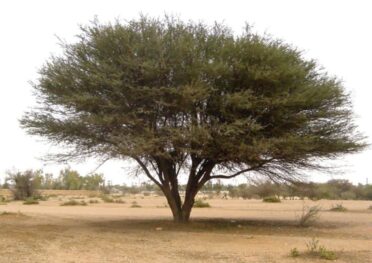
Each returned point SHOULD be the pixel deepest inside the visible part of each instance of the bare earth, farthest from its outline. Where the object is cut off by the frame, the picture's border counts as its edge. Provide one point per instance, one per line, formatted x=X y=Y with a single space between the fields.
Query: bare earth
x=230 y=231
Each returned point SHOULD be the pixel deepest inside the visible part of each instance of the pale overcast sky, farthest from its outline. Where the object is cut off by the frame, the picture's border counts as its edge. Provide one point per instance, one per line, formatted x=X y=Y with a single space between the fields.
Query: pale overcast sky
x=336 y=33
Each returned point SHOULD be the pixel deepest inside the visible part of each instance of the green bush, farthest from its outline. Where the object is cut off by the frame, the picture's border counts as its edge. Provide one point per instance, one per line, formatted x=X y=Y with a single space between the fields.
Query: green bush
x=271 y=199
x=294 y=253
x=74 y=203
x=315 y=249
x=30 y=201
x=201 y=204
x=326 y=254
x=23 y=184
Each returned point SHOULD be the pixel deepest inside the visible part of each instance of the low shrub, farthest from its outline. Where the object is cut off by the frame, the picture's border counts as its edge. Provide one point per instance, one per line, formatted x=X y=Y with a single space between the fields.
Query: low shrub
x=338 y=208
x=107 y=199
x=294 y=253
x=309 y=216
x=135 y=205
x=31 y=201
x=94 y=201
x=201 y=204
x=326 y=254
x=119 y=201
x=314 y=249
x=271 y=199
x=74 y=203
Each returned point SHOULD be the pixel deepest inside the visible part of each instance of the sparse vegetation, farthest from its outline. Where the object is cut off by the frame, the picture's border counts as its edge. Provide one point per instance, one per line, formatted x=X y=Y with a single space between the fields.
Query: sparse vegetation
x=23 y=184
x=326 y=254
x=309 y=215
x=338 y=208
x=271 y=199
x=294 y=253
x=93 y=201
x=199 y=203
x=107 y=199
x=6 y=213
x=135 y=205
x=3 y=200
x=315 y=249
x=31 y=201
x=74 y=203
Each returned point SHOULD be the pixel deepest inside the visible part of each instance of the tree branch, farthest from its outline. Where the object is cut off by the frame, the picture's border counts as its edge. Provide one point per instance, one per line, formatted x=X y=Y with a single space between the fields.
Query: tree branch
x=143 y=166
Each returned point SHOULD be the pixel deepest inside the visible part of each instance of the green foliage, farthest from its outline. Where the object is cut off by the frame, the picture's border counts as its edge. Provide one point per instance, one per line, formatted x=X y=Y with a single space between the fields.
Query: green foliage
x=199 y=203
x=314 y=249
x=74 y=203
x=30 y=201
x=338 y=208
x=271 y=199
x=326 y=254
x=294 y=253
x=309 y=215
x=23 y=184
x=186 y=96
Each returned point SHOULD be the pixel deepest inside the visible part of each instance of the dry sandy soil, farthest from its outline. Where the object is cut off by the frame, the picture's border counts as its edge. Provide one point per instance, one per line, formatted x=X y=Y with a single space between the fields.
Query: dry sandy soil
x=230 y=231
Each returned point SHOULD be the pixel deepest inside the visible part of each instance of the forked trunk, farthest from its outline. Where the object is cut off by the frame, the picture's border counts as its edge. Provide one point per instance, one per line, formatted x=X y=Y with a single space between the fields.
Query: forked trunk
x=181 y=212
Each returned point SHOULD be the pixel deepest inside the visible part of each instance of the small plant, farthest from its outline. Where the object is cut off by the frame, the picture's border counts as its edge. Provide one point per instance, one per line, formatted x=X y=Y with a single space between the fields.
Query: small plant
x=312 y=245
x=309 y=216
x=201 y=204
x=338 y=208
x=294 y=253
x=74 y=203
x=135 y=205
x=31 y=201
x=271 y=199
x=315 y=249
x=94 y=201
x=326 y=254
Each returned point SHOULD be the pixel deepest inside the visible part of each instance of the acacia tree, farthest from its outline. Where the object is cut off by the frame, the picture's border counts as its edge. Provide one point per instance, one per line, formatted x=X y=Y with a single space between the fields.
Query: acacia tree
x=187 y=98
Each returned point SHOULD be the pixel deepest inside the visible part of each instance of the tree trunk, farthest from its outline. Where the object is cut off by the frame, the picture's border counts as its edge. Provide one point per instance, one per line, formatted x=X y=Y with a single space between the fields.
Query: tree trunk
x=181 y=214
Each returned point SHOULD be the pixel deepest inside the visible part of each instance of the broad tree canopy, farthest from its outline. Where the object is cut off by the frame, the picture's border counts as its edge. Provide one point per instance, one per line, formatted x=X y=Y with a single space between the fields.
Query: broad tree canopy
x=176 y=96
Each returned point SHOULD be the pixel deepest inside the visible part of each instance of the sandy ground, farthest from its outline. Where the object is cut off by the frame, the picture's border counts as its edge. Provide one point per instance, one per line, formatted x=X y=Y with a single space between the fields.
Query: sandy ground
x=230 y=231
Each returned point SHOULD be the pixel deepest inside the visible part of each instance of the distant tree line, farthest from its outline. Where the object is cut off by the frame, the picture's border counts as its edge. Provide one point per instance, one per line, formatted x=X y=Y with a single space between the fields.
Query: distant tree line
x=68 y=179
x=333 y=189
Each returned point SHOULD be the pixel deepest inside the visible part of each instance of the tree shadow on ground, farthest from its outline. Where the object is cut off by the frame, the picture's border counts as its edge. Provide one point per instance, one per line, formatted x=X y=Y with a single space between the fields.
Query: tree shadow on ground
x=222 y=226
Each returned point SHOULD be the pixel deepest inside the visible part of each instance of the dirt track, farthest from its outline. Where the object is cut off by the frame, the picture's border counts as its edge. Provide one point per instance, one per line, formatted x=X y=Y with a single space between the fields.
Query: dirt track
x=230 y=231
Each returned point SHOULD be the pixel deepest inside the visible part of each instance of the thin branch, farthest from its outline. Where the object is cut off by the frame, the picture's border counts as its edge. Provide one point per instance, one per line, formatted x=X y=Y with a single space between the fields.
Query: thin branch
x=143 y=166
x=253 y=168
